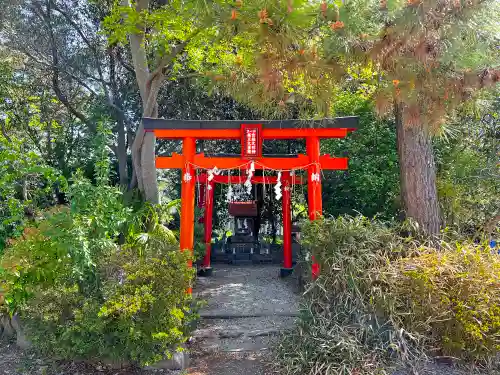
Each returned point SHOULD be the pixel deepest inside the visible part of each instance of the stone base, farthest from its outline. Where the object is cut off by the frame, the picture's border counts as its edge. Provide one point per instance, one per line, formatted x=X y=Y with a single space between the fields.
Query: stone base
x=11 y=327
x=6 y=329
x=284 y=272
x=179 y=361
x=205 y=272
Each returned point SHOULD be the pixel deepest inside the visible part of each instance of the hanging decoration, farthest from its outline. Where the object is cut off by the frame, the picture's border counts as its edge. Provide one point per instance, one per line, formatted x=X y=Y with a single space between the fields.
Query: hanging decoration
x=315 y=177
x=187 y=177
x=277 y=187
x=230 y=193
x=229 y=196
x=248 y=182
x=212 y=173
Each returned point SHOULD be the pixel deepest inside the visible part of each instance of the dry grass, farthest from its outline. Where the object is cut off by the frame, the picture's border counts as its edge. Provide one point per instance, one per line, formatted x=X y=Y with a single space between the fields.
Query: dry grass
x=365 y=314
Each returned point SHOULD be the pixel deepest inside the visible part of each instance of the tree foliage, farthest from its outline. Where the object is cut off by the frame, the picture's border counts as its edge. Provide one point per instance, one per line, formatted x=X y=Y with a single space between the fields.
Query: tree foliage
x=370 y=186
x=468 y=180
x=28 y=182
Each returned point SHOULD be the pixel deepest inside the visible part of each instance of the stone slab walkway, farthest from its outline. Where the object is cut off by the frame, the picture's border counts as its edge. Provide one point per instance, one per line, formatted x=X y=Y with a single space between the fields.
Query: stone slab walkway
x=247 y=308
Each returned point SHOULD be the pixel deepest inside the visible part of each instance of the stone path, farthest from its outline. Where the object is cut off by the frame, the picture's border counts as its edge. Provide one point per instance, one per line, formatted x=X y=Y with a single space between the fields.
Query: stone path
x=248 y=307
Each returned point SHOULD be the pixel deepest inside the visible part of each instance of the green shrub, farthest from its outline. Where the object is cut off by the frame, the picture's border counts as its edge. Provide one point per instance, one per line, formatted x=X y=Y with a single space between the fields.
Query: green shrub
x=339 y=331
x=449 y=297
x=384 y=297
x=140 y=312
x=98 y=280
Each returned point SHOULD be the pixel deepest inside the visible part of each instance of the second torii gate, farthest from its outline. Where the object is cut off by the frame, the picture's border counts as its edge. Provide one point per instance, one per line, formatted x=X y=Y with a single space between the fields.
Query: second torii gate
x=251 y=134
x=207 y=198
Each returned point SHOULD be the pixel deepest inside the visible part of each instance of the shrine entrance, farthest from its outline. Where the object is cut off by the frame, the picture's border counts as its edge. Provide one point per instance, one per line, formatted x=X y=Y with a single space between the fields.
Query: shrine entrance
x=251 y=135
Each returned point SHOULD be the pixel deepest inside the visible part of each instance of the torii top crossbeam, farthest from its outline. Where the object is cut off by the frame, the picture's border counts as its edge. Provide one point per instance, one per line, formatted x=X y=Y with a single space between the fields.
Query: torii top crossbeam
x=245 y=130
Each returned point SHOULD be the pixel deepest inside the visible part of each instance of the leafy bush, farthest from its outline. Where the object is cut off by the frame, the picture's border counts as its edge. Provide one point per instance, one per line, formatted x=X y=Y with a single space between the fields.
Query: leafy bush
x=97 y=280
x=138 y=313
x=448 y=297
x=385 y=297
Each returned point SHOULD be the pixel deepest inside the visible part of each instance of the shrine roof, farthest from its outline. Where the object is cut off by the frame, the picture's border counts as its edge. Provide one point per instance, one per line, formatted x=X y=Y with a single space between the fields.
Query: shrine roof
x=348 y=122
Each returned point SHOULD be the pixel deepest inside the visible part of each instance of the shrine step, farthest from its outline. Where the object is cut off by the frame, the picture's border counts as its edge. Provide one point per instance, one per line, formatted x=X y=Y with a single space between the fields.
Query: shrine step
x=241 y=334
x=247 y=258
x=244 y=344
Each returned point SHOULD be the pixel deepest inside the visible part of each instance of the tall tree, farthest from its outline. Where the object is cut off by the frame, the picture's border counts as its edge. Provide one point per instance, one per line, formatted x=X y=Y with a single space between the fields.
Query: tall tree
x=432 y=60
x=85 y=73
x=426 y=58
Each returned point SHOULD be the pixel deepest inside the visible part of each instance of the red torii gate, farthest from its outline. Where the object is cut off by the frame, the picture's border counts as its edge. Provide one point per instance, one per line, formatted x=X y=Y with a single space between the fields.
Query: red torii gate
x=252 y=134
x=207 y=197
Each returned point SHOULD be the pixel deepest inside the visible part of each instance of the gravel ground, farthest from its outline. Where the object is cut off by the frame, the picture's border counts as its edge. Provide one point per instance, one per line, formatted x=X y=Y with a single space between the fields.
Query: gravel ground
x=247 y=291
x=255 y=304
x=229 y=364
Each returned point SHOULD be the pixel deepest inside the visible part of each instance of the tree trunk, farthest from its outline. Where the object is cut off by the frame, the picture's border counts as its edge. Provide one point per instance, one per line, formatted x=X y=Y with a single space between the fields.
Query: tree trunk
x=143 y=147
x=417 y=174
x=149 y=82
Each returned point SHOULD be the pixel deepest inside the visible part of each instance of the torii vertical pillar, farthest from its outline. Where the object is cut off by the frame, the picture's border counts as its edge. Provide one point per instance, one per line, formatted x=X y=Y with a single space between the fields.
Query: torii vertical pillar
x=314 y=198
x=209 y=211
x=286 y=202
x=187 y=197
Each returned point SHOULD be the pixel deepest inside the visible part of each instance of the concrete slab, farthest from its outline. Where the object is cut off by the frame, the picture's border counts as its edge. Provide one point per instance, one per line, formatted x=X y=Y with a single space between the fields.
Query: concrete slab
x=249 y=327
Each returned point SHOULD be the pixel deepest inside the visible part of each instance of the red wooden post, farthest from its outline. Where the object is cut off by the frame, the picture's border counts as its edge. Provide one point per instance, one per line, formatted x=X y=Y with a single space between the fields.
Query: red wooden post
x=314 y=198
x=314 y=184
x=287 y=225
x=187 y=197
x=209 y=209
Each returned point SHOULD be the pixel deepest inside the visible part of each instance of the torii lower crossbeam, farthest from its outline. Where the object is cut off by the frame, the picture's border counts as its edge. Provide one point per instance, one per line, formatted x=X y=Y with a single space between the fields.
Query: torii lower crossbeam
x=325 y=162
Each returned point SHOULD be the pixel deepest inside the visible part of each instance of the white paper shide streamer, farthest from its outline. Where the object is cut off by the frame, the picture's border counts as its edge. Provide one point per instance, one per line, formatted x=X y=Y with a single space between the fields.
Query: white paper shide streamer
x=212 y=173
x=230 y=191
x=315 y=177
x=229 y=196
x=248 y=182
x=277 y=187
